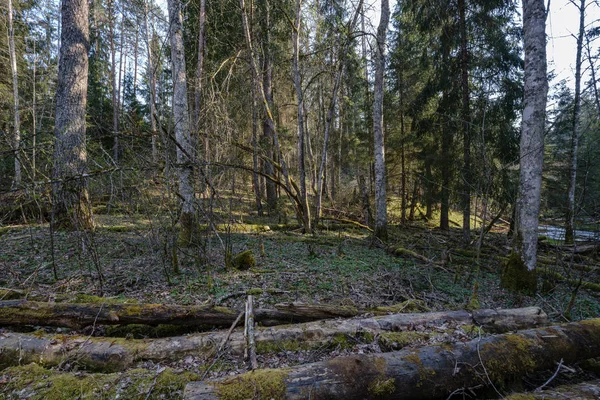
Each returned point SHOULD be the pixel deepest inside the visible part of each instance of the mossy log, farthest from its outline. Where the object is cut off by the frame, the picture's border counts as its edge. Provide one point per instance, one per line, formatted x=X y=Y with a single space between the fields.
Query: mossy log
x=79 y=315
x=402 y=252
x=22 y=312
x=116 y=354
x=583 y=390
x=426 y=373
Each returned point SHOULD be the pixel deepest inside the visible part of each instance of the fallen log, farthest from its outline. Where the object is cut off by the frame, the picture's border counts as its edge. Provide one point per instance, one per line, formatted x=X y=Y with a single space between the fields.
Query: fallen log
x=427 y=373
x=116 y=354
x=79 y=315
x=583 y=390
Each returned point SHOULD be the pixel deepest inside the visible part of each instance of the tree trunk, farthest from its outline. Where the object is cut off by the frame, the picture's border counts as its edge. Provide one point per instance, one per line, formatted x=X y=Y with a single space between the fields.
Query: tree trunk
x=465 y=123
x=70 y=200
x=268 y=132
x=16 y=142
x=185 y=150
x=378 y=134
x=570 y=217
x=425 y=373
x=112 y=17
x=306 y=220
x=532 y=131
x=446 y=147
x=255 y=184
x=198 y=88
x=151 y=71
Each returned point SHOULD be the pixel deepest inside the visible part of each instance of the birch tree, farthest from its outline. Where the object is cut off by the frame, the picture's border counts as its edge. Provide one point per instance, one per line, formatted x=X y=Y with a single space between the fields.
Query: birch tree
x=71 y=206
x=151 y=72
x=378 y=135
x=570 y=217
x=532 y=140
x=185 y=150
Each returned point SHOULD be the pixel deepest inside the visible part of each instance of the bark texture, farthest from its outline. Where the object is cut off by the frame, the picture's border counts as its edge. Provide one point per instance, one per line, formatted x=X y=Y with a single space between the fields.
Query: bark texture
x=378 y=134
x=306 y=221
x=570 y=217
x=532 y=130
x=69 y=191
x=15 y=82
x=426 y=373
x=151 y=73
x=185 y=149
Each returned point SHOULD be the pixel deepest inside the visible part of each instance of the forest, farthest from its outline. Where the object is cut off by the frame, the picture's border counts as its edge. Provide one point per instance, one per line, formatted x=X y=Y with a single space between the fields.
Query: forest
x=298 y=199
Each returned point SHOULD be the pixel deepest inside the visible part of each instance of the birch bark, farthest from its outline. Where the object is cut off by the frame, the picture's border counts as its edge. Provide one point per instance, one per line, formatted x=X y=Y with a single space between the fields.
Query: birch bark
x=378 y=135
x=532 y=130
x=570 y=217
x=185 y=150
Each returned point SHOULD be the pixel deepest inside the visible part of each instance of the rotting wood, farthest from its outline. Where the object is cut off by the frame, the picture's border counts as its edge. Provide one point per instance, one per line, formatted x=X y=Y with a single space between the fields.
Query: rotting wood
x=116 y=354
x=79 y=315
x=583 y=390
x=251 y=344
x=425 y=373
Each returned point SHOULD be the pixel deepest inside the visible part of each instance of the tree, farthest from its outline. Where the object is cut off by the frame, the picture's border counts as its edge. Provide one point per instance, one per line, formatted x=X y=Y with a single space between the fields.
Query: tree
x=300 y=98
x=570 y=217
x=378 y=135
x=15 y=82
x=71 y=206
x=532 y=142
x=185 y=150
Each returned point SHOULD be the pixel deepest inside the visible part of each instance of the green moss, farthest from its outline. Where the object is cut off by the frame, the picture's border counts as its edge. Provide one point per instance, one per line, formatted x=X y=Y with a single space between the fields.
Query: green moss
x=516 y=277
x=254 y=292
x=521 y=396
x=473 y=303
x=37 y=383
x=398 y=340
x=259 y=384
x=244 y=261
x=381 y=387
x=11 y=294
x=509 y=358
x=471 y=329
x=264 y=347
x=88 y=298
x=341 y=340
x=425 y=374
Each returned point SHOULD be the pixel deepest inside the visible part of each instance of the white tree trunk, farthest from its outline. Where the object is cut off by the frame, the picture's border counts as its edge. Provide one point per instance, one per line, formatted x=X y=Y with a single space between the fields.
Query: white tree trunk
x=185 y=150
x=151 y=66
x=379 y=142
x=532 y=131
x=570 y=217
x=15 y=81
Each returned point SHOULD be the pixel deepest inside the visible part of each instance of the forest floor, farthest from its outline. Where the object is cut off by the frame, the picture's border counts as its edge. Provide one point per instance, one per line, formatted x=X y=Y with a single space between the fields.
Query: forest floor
x=338 y=265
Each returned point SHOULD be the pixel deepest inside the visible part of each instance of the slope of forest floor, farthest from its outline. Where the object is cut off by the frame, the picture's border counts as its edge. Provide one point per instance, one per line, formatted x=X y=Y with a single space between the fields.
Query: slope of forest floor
x=339 y=265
